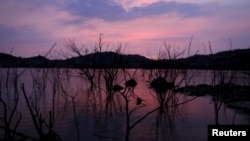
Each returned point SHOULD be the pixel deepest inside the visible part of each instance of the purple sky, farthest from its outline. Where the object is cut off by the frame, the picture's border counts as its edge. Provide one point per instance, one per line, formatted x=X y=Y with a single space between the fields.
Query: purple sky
x=31 y=27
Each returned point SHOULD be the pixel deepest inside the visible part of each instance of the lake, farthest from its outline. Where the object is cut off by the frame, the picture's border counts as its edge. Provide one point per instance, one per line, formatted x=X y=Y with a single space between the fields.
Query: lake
x=98 y=105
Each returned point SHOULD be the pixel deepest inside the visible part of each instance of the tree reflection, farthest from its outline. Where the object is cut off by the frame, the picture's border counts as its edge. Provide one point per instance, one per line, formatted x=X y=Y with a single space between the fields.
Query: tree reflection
x=221 y=81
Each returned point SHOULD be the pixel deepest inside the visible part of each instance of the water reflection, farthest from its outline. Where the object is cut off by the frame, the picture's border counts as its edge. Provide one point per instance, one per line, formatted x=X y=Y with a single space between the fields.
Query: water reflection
x=114 y=104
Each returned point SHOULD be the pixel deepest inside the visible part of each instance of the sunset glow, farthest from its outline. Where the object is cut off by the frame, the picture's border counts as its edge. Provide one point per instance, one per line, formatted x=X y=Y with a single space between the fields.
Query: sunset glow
x=31 y=27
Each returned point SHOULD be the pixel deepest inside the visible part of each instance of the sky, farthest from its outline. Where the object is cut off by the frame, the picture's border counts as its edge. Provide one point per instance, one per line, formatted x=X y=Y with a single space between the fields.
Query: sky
x=31 y=27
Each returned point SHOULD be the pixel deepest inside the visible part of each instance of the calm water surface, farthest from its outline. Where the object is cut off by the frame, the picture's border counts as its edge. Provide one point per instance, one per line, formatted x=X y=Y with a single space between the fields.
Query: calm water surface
x=85 y=112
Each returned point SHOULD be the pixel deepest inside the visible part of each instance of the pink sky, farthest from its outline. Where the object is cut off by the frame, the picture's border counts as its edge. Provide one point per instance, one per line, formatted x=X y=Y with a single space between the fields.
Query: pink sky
x=31 y=27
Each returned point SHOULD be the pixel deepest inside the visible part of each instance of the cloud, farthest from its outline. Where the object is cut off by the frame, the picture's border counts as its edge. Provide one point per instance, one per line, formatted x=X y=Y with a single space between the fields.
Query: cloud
x=184 y=10
x=94 y=9
x=144 y=25
x=111 y=10
x=34 y=25
x=30 y=22
x=7 y=33
x=128 y=5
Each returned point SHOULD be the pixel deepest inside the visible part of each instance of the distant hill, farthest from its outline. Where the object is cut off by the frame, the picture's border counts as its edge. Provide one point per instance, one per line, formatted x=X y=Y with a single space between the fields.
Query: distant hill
x=107 y=59
x=233 y=59
x=6 y=57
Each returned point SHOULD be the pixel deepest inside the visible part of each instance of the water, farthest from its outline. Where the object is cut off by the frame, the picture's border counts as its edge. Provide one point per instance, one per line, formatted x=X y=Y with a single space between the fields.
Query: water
x=65 y=102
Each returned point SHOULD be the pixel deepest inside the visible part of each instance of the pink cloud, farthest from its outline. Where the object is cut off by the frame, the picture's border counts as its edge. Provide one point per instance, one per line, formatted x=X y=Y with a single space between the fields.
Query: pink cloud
x=143 y=35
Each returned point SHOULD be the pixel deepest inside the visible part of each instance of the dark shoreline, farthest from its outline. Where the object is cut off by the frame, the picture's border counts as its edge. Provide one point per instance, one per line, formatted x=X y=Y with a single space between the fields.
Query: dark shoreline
x=232 y=95
x=226 y=60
